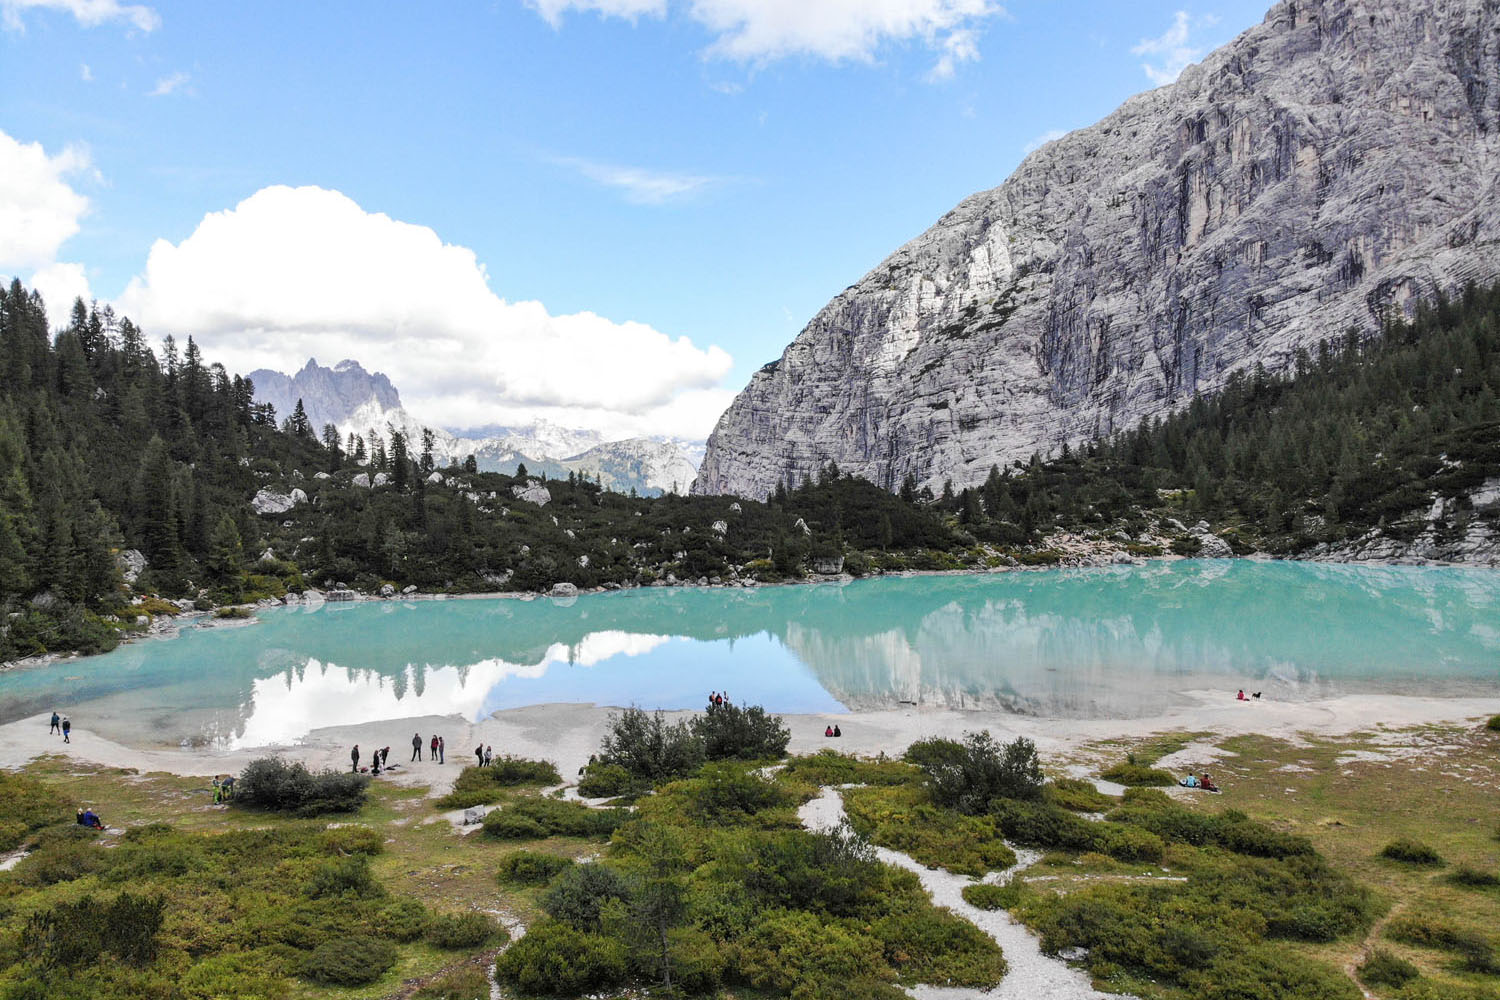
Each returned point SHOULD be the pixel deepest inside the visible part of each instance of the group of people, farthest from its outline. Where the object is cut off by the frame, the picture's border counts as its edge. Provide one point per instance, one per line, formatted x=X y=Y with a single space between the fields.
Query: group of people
x=60 y=724
x=378 y=762
x=89 y=818
x=717 y=699
x=832 y=731
x=1205 y=783
x=437 y=748
x=485 y=754
x=223 y=788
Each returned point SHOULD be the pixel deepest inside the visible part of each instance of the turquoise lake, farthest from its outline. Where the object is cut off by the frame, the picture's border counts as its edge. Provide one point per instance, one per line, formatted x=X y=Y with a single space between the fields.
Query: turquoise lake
x=1116 y=642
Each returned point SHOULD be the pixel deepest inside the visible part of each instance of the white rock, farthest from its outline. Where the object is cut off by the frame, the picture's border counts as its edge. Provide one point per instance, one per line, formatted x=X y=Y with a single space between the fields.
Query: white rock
x=132 y=564
x=268 y=501
x=720 y=527
x=361 y=480
x=532 y=492
x=381 y=479
x=564 y=590
x=298 y=496
x=321 y=475
x=435 y=477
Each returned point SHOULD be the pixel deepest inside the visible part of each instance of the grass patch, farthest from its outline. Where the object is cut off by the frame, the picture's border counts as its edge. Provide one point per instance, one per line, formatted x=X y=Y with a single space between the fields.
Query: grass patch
x=991 y=897
x=1494 y=724
x=531 y=867
x=537 y=818
x=1384 y=969
x=829 y=767
x=477 y=786
x=1474 y=878
x=1133 y=774
x=903 y=819
x=1077 y=795
x=27 y=805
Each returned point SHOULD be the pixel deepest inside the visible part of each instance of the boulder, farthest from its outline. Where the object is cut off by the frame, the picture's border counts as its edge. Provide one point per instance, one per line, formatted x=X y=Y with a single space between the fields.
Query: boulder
x=801 y=526
x=410 y=588
x=1212 y=546
x=720 y=527
x=132 y=564
x=387 y=590
x=340 y=594
x=532 y=492
x=298 y=496
x=583 y=561
x=474 y=816
x=828 y=565
x=362 y=480
x=321 y=475
x=268 y=501
x=564 y=590
x=436 y=478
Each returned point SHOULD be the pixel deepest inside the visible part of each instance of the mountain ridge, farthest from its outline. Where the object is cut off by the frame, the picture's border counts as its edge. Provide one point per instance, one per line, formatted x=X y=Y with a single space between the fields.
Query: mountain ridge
x=1331 y=165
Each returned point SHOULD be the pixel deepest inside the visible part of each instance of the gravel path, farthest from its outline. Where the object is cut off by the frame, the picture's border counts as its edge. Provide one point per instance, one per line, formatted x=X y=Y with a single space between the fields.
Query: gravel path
x=1032 y=975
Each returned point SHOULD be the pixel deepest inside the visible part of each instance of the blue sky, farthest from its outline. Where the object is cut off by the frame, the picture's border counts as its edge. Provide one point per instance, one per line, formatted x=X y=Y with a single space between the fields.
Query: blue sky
x=706 y=169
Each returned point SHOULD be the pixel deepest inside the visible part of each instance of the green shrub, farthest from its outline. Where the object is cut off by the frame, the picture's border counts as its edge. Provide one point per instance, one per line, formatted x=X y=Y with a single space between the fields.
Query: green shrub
x=352 y=840
x=347 y=876
x=531 y=867
x=1411 y=852
x=605 y=781
x=938 y=838
x=1476 y=951
x=829 y=767
x=729 y=732
x=350 y=961
x=1474 y=878
x=535 y=818
x=1494 y=724
x=1135 y=775
x=26 y=805
x=403 y=920
x=477 y=786
x=1077 y=795
x=578 y=894
x=935 y=946
x=650 y=749
x=969 y=776
x=798 y=954
x=79 y=932
x=1384 y=969
x=833 y=871
x=463 y=930
x=727 y=794
x=272 y=783
x=986 y=896
x=554 y=959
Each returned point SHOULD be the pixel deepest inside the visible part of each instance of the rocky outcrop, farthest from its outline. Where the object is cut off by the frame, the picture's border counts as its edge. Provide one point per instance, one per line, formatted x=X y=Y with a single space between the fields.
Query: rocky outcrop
x=132 y=563
x=269 y=501
x=533 y=492
x=1326 y=169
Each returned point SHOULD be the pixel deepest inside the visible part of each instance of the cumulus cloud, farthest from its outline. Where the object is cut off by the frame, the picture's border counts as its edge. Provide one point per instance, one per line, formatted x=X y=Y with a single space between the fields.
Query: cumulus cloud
x=39 y=211
x=170 y=84
x=1172 y=51
x=293 y=273
x=89 y=13
x=760 y=31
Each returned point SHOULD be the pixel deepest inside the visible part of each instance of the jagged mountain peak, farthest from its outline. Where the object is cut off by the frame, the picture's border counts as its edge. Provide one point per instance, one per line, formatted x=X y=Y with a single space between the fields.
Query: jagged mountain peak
x=1334 y=163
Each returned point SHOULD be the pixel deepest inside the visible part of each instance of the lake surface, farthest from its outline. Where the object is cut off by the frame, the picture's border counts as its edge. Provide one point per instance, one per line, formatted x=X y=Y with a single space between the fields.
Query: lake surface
x=1116 y=642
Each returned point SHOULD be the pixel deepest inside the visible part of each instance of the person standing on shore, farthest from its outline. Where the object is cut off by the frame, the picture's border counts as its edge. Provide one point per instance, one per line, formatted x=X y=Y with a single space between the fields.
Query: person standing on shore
x=489 y=755
x=416 y=746
x=354 y=758
x=432 y=748
x=56 y=726
x=67 y=730
x=479 y=755
x=442 y=751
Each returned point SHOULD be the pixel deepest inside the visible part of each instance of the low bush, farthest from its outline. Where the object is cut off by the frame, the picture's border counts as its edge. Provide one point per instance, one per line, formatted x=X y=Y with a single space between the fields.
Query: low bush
x=1233 y=830
x=531 y=867
x=1411 y=852
x=535 y=818
x=730 y=732
x=971 y=775
x=1384 y=969
x=476 y=786
x=579 y=893
x=986 y=896
x=605 y=781
x=554 y=959
x=1134 y=775
x=1077 y=795
x=935 y=946
x=1474 y=878
x=900 y=819
x=463 y=930
x=342 y=877
x=800 y=954
x=352 y=840
x=403 y=920
x=829 y=767
x=650 y=749
x=833 y=872
x=1475 y=951
x=79 y=932
x=1494 y=724
x=356 y=960
x=27 y=805
x=273 y=784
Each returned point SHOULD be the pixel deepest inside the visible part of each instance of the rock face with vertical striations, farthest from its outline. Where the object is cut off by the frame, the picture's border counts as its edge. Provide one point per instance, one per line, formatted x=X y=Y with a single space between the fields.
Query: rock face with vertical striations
x=1330 y=167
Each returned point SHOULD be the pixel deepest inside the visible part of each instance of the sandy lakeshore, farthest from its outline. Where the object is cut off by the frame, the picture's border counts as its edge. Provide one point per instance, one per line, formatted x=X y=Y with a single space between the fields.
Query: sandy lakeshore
x=568 y=733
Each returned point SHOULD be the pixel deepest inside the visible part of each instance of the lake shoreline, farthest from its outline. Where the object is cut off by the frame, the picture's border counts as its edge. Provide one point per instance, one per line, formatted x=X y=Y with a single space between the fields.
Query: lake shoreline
x=568 y=733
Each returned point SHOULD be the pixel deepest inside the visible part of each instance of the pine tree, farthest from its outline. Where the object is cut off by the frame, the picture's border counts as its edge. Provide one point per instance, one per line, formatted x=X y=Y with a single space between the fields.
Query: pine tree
x=226 y=552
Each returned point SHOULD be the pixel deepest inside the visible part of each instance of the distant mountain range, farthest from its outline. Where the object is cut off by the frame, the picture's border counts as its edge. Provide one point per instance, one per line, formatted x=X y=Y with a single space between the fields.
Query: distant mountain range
x=360 y=402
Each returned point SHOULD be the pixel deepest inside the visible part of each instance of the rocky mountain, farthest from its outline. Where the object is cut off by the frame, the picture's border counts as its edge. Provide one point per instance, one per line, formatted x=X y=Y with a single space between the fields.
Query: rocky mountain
x=1329 y=167
x=359 y=402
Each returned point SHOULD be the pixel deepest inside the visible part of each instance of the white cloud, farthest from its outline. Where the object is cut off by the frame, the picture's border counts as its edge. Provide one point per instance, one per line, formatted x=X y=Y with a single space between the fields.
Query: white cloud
x=760 y=31
x=1173 y=50
x=85 y=74
x=170 y=84
x=293 y=273
x=89 y=13
x=1042 y=140
x=640 y=185
x=39 y=211
x=59 y=284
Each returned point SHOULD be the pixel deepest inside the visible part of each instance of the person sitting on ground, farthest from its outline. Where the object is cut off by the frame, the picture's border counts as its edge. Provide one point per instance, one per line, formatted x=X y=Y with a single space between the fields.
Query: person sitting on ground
x=92 y=820
x=827 y=731
x=1191 y=781
x=375 y=765
x=1240 y=696
x=79 y=820
x=1208 y=783
x=837 y=731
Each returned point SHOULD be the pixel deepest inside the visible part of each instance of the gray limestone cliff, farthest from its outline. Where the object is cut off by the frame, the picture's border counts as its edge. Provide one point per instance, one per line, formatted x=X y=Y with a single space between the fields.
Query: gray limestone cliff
x=1328 y=168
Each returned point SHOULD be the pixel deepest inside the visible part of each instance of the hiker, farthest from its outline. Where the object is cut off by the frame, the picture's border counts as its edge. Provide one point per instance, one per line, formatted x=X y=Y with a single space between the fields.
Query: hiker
x=1241 y=695
x=489 y=755
x=442 y=750
x=837 y=732
x=479 y=755
x=218 y=791
x=354 y=758
x=1191 y=781
x=416 y=746
x=1208 y=783
x=385 y=758
x=827 y=732
x=56 y=726
x=92 y=820
x=432 y=748
x=375 y=765
x=226 y=787
x=67 y=730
